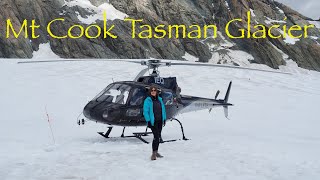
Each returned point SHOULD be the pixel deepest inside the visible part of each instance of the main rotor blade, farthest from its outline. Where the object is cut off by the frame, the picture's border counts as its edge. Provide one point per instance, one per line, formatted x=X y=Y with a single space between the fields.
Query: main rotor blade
x=136 y=61
x=145 y=62
x=225 y=66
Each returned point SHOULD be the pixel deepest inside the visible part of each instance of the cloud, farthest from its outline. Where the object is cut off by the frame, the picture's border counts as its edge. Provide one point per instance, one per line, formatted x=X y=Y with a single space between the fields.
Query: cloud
x=309 y=8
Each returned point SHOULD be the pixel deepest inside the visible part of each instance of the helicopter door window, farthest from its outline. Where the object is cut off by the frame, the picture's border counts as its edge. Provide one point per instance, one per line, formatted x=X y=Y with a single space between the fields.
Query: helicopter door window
x=167 y=98
x=138 y=96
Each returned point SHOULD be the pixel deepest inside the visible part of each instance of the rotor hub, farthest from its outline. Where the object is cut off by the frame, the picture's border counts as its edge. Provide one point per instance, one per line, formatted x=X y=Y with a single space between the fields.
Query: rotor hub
x=154 y=64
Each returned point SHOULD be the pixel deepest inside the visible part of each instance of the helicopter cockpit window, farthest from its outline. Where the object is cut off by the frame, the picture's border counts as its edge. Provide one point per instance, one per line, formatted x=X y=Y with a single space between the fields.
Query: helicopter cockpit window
x=138 y=96
x=116 y=93
x=167 y=98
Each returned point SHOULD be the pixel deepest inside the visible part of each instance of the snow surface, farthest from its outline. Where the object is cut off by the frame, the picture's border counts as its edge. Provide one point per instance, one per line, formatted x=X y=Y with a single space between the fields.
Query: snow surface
x=290 y=40
x=313 y=37
x=252 y=13
x=291 y=66
x=227 y=4
x=226 y=43
x=316 y=23
x=190 y=57
x=273 y=132
x=280 y=10
x=44 y=52
x=226 y=55
x=270 y=21
x=235 y=56
x=112 y=13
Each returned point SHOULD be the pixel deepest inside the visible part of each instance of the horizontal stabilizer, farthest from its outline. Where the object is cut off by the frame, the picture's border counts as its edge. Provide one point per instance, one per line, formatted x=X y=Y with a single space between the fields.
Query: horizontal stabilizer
x=226 y=112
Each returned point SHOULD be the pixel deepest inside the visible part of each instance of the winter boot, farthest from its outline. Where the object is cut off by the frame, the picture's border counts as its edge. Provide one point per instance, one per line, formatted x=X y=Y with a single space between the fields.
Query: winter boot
x=154 y=155
x=158 y=155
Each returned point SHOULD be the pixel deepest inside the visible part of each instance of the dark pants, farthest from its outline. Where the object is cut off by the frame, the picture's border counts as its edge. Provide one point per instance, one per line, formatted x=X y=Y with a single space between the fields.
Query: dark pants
x=156 y=130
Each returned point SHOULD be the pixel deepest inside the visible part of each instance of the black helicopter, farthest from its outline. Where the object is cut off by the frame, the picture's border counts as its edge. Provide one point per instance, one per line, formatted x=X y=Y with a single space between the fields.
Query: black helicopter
x=121 y=103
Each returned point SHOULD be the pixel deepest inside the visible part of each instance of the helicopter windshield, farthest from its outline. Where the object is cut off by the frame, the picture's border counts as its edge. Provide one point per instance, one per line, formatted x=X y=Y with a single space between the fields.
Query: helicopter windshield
x=115 y=93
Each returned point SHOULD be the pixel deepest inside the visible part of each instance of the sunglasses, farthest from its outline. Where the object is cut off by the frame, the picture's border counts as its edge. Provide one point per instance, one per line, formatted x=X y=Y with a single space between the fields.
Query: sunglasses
x=153 y=90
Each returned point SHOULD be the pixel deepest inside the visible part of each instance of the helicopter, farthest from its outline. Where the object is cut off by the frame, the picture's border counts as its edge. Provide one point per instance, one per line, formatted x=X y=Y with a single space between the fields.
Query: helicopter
x=121 y=103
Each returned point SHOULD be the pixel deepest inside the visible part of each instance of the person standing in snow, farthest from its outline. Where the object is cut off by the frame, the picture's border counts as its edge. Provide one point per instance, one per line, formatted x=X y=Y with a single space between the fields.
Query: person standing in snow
x=154 y=112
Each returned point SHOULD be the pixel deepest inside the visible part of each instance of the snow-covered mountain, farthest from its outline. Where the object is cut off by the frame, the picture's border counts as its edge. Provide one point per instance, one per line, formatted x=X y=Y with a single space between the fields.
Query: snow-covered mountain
x=272 y=52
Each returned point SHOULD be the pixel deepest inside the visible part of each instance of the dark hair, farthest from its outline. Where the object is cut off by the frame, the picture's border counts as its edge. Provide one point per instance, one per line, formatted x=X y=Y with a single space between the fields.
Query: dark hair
x=153 y=87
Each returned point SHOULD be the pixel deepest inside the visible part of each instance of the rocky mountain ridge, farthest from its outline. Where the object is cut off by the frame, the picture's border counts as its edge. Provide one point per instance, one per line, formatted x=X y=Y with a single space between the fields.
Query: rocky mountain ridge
x=272 y=52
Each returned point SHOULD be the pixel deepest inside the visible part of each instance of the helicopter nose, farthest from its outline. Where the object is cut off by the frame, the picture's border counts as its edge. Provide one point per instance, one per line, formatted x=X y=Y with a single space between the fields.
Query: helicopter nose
x=86 y=113
x=87 y=110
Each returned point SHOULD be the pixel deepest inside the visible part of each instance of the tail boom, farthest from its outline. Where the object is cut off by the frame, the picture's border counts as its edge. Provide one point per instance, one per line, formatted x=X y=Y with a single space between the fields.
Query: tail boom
x=192 y=103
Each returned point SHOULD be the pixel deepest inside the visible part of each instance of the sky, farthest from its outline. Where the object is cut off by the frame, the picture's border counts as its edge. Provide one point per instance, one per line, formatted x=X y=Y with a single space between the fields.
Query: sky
x=309 y=8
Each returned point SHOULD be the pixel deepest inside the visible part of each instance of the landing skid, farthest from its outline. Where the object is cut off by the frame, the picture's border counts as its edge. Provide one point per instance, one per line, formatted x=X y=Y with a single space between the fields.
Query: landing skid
x=140 y=135
x=182 y=131
x=106 y=135
x=136 y=135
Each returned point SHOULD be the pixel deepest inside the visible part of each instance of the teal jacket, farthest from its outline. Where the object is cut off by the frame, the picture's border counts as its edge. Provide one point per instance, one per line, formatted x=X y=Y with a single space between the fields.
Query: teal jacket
x=148 y=110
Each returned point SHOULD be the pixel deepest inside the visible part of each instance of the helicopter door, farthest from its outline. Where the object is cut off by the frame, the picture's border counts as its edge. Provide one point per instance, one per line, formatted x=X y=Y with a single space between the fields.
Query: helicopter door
x=167 y=98
x=136 y=103
x=138 y=96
